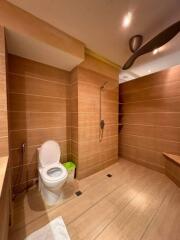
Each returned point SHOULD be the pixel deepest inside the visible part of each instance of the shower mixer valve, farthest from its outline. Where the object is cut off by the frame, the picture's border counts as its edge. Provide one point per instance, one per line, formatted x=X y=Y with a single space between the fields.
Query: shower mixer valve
x=102 y=124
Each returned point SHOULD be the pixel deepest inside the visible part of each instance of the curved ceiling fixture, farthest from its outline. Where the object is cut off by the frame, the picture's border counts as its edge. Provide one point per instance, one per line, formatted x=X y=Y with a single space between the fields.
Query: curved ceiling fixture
x=135 y=42
x=158 y=41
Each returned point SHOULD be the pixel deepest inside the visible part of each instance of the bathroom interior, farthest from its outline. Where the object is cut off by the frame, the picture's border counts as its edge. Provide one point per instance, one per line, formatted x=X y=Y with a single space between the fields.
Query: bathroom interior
x=89 y=120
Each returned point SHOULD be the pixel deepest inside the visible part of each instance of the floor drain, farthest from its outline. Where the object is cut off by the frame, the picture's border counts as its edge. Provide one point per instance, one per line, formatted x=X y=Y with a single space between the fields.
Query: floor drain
x=109 y=175
x=78 y=193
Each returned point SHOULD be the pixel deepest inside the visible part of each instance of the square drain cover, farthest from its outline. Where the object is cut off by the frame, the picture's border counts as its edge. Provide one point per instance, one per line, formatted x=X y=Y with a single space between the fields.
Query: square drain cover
x=78 y=193
x=109 y=175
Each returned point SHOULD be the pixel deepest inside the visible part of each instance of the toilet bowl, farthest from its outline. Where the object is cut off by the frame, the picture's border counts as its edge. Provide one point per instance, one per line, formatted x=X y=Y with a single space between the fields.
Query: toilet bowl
x=52 y=174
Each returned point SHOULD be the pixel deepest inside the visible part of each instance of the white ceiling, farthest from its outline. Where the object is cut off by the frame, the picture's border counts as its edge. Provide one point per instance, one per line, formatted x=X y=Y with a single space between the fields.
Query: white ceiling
x=97 y=23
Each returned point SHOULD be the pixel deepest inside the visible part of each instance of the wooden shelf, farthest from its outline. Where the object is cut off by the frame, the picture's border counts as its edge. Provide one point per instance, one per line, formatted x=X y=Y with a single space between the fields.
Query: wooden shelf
x=3 y=168
x=174 y=158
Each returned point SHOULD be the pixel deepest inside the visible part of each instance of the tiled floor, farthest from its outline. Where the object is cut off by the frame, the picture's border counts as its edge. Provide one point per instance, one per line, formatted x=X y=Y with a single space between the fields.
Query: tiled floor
x=136 y=203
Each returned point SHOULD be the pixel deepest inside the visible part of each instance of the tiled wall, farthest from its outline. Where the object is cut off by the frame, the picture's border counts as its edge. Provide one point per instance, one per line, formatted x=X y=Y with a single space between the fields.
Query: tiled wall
x=90 y=154
x=3 y=98
x=150 y=118
x=5 y=198
x=38 y=111
x=48 y=103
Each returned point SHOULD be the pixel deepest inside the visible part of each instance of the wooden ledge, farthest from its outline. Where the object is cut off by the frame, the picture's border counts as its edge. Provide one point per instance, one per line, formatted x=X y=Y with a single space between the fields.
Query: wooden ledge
x=174 y=158
x=3 y=168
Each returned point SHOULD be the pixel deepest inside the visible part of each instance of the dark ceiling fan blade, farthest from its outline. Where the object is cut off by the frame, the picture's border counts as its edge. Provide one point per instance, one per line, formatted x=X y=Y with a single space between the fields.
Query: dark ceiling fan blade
x=158 y=41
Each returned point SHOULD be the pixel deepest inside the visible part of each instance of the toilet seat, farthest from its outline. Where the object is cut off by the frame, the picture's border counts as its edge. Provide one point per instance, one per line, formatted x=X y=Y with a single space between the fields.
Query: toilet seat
x=53 y=173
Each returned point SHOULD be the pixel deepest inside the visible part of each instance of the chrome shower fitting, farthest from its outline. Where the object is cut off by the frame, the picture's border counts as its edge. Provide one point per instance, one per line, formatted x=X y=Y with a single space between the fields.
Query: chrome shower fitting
x=101 y=121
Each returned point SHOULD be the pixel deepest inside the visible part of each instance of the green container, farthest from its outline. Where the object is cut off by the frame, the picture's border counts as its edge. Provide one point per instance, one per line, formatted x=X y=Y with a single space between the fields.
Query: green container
x=70 y=167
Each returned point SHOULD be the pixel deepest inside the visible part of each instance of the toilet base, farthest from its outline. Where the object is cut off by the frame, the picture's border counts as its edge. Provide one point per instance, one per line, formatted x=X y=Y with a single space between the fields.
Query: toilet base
x=50 y=196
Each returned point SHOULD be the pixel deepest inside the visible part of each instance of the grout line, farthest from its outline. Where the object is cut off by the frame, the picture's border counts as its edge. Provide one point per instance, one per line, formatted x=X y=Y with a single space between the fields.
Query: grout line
x=41 y=79
x=92 y=140
x=150 y=100
x=35 y=129
x=36 y=145
x=141 y=136
x=153 y=217
x=35 y=162
x=148 y=113
x=142 y=148
x=37 y=95
x=80 y=99
x=66 y=127
x=149 y=125
x=37 y=112
x=154 y=86
x=100 y=200
x=117 y=215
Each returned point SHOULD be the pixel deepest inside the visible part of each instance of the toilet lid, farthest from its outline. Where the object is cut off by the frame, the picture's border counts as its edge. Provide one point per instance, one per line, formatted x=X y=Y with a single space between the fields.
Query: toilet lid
x=49 y=153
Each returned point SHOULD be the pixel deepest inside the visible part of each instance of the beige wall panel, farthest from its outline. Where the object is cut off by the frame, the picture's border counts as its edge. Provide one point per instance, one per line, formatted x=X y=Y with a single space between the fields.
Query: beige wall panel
x=33 y=86
x=33 y=120
x=159 y=78
x=158 y=119
x=28 y=68
x=38 y=111
x=149 y=114
x=21 y=102
x=5 y=196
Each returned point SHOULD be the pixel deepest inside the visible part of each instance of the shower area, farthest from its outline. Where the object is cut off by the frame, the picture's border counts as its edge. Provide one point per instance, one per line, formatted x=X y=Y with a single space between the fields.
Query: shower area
x=95 y=124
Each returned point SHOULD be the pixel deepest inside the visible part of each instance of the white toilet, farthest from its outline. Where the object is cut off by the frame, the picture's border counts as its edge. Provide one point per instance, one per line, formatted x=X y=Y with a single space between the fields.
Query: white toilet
x=52 y=174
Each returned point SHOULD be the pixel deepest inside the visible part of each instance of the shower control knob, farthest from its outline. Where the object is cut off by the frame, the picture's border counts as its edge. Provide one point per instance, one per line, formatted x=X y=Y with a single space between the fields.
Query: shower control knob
x=102 y=124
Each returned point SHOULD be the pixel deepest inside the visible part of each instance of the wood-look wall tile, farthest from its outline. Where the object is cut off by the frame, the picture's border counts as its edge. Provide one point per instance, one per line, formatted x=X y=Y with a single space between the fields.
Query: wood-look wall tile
x=31 y=155
x=24 y=173
x=4 y=151
x=169 y=90
x=158 y=119
x=162 y=132
x=173 y=171
x=31 y=120
x=2 y=64
x=154 y=160
x=154 y=144
x=149 y=125
x=3 y=124
x=165 y=105
x=2 y=41
x=21 y=102
x=36 y=136
x=28 y=67
x=28 y=85
x=39 y=110
x=87 y=171
x=162 y=77
x=2 y=77
x=3 y=96
x=24 y=186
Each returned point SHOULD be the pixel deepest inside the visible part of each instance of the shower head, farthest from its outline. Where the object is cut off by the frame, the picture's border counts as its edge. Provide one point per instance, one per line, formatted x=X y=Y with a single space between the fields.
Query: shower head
x=102 y=87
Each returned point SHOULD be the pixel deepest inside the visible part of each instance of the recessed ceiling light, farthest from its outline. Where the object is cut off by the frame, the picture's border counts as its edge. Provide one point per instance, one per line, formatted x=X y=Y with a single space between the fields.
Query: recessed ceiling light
x=127 y=19
x=155 y=51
